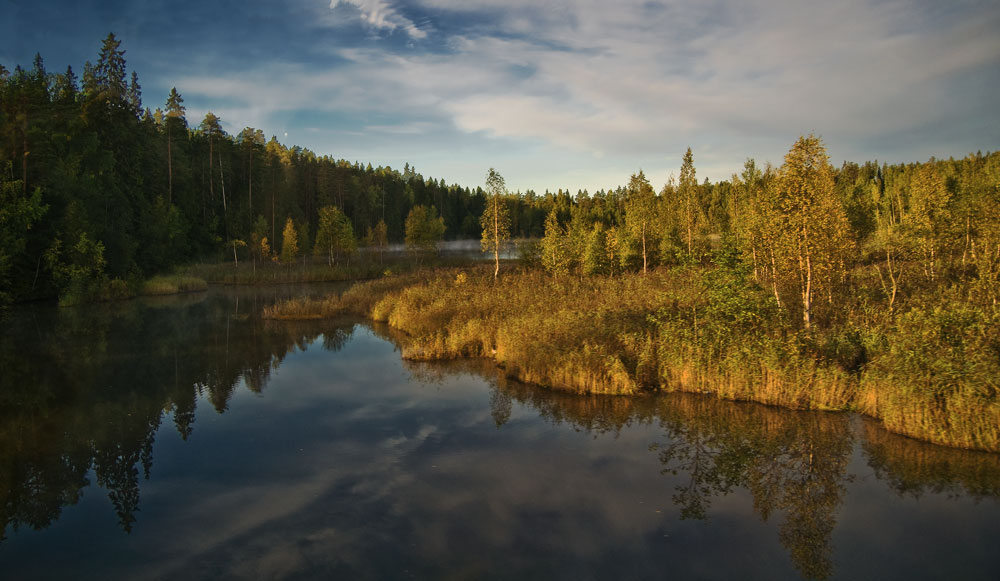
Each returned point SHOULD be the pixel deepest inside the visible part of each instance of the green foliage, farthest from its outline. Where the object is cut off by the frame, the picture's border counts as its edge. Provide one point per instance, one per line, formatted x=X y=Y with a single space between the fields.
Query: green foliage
x=289 y=242
x=424 y=229
x=529 y=253
x=595 y=260
x=936 y=371
x=496 y=218
x=811 y=242
x=734 y=303
x=335 y=235
x=689 y=198
x=18 y=213
x=99 y=194
x=172 y=284
x=640 y=215
x=557 y=256
x=158 y=193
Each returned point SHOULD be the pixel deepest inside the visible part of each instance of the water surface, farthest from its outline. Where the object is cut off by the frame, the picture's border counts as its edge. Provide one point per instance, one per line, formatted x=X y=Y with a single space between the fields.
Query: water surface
x=186 y=438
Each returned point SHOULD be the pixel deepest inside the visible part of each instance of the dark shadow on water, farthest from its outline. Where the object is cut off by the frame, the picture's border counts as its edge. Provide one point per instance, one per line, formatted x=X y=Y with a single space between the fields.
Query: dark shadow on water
x=84 y=392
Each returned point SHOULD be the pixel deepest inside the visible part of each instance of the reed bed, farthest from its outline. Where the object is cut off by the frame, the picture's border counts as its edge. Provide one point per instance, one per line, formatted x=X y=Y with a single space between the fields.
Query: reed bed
x=172 y=285
x=931 y=374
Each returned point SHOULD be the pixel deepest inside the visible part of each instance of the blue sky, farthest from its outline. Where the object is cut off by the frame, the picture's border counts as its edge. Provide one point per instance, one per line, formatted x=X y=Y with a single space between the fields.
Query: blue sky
x=559 y=93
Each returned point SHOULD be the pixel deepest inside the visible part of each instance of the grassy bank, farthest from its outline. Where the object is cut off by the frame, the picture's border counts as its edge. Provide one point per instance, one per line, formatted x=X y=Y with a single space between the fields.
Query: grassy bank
x=106 y=290
x=314 y=269
x=172 y=285
x=246 y=273
x=930 y=373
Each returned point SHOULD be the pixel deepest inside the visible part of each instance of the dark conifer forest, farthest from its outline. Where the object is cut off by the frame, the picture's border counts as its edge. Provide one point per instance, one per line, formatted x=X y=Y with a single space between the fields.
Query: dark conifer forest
x=101 y=187
x=98 y=183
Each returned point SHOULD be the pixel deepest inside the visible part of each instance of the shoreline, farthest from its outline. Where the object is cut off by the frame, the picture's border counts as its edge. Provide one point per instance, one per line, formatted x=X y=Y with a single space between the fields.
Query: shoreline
x=629 y=335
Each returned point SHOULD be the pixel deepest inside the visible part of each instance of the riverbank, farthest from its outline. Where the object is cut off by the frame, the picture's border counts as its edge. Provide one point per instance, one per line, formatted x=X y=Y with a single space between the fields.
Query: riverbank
x=929 y=373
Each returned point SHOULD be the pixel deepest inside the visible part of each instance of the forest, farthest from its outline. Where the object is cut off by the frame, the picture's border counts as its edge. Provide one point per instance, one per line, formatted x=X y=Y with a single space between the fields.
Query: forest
x=869 y=286
x=98 y=186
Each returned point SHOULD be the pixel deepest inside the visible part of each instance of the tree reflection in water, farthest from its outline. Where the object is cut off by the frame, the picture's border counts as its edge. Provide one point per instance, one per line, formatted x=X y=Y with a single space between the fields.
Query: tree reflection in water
x=76 y=395
x=794 y=464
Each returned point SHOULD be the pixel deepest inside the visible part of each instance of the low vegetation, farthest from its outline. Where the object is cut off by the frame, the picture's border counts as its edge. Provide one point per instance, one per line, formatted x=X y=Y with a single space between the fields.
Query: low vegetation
x=930 y=373
x=172 y=285
x=869 y=286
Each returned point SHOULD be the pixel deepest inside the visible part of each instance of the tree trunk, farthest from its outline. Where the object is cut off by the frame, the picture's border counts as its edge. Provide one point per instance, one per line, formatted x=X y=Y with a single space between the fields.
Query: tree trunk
x=170 y=170
x=225 y=210
x=24 y=158
x=805 y=279
x=250 y=190
x=774 y=278
x=753 y=250
x=892 y=278
x=968 y=239
x=689 y=219
x=496 y=237
x=211 y=182
x=644 y=249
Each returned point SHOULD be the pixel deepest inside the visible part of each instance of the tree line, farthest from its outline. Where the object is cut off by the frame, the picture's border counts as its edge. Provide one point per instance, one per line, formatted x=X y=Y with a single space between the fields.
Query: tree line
x=807 y=232
x=98 y=188
x=96 y=185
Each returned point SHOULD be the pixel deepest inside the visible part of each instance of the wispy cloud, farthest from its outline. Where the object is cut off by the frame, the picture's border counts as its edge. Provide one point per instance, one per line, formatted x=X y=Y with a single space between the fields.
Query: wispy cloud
x=383 y=15
x=636 y=82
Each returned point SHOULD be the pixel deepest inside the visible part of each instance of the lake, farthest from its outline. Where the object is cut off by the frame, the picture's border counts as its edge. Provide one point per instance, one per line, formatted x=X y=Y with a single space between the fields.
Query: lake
x=185 y=438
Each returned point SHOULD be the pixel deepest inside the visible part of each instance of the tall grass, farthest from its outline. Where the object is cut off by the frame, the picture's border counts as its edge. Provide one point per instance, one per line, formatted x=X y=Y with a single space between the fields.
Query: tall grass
x=358 y=299
x=116 y=289
x=172 y=284
x=935 y=374
x=246 y=273
x=930 y=374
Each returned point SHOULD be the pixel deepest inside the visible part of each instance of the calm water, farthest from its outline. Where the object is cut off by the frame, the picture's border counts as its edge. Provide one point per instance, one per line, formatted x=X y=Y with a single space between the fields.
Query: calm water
x=184 y=438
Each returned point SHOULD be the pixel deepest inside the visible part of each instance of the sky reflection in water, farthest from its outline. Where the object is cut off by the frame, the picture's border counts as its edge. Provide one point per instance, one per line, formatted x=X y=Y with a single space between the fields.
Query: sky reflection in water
x=331 y=457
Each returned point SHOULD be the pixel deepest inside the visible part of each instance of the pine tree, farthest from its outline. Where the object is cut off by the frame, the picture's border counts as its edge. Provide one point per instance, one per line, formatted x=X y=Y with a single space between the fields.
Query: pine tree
x=18 y=213
x=174 y=117
x=251 y=139
x=211 y=127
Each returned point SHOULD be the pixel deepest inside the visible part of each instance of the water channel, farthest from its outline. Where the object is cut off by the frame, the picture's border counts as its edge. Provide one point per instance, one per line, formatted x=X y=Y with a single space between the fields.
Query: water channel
x=185 y=438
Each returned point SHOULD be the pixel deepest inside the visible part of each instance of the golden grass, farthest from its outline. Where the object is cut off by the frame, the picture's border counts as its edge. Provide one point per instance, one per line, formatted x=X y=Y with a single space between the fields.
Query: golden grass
x=172 y=284
x=634 y=333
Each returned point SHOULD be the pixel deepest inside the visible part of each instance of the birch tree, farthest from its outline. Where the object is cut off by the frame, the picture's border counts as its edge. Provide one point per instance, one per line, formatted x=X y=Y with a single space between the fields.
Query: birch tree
x=815 y=229
x=640 y=215
x=289 y=242
x=687 y=189
x=929 y=216
x=495 y=219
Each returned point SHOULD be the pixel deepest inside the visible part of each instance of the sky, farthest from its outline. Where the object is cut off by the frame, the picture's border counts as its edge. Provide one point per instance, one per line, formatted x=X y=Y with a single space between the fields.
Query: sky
x=554 y=94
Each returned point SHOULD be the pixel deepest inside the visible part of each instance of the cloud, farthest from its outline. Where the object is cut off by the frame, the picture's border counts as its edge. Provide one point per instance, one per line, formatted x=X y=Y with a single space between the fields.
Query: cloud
x=636 y=82
x=382 y=15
